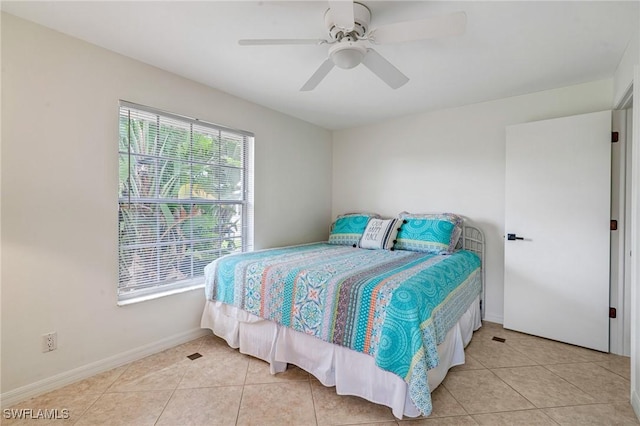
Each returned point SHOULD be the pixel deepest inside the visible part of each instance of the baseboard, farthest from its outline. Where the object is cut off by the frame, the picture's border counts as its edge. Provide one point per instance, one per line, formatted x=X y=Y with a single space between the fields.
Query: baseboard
x=635 y=402
x=68 y=377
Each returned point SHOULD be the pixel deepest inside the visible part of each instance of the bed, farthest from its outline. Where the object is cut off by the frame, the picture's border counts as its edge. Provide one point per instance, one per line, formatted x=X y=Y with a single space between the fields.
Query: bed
x=384 y=325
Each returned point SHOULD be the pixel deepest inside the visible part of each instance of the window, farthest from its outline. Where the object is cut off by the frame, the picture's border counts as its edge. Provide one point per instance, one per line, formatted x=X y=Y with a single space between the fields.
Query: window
x=184 y=200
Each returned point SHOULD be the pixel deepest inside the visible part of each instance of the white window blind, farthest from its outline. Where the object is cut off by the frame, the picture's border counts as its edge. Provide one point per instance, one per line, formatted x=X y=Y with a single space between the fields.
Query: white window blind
x=184 y=199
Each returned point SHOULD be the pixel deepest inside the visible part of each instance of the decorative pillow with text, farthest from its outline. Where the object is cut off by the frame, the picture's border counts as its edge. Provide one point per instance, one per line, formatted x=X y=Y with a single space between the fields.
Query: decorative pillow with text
x=380 y=234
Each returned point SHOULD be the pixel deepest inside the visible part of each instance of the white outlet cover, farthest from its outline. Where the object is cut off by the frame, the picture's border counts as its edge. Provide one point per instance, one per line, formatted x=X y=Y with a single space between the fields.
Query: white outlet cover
x=49 y=342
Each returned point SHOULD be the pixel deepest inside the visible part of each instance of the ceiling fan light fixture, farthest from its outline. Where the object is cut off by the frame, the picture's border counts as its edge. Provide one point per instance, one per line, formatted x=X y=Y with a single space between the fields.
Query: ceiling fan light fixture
x=347 y=55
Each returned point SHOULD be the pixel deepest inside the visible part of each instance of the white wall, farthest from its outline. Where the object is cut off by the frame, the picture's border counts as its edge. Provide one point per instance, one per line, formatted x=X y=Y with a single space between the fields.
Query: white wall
x=451 y=160
x=59 y=197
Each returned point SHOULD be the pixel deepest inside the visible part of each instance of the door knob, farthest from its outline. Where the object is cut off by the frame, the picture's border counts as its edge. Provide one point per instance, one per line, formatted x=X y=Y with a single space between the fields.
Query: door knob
x=513 y=237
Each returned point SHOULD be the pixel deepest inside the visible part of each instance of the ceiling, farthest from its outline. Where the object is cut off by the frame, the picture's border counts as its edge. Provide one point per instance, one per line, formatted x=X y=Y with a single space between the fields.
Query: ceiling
x=509 y=48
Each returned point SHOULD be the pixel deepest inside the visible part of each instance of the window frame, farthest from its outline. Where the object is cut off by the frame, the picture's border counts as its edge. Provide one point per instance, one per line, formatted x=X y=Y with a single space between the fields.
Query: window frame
x=152 y=290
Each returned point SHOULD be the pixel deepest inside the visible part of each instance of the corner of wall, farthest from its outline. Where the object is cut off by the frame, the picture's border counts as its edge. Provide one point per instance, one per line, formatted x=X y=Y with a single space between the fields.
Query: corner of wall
x=623 y=77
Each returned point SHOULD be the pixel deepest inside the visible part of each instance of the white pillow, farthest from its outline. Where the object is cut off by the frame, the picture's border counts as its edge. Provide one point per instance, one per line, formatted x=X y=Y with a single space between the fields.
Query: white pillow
x=380 y=234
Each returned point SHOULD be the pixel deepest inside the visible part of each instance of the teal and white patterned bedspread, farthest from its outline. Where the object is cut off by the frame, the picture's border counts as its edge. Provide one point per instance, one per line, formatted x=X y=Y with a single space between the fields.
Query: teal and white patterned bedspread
x=396 y=306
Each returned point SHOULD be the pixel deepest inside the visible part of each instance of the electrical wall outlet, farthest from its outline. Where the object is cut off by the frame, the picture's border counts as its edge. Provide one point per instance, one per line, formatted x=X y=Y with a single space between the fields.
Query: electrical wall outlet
x=50 y=342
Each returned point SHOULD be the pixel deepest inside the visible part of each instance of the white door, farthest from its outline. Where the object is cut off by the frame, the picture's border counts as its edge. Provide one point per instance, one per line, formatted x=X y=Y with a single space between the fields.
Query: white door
x=558 y=193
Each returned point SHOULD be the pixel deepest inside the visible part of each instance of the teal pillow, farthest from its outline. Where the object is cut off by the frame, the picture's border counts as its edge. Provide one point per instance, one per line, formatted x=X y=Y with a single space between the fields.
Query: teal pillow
x=429 y=234
x=347 y=230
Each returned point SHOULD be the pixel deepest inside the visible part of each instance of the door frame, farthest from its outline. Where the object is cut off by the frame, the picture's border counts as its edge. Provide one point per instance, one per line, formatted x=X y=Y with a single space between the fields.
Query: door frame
x=619 y=209
x=619 y=329
x=634 y=223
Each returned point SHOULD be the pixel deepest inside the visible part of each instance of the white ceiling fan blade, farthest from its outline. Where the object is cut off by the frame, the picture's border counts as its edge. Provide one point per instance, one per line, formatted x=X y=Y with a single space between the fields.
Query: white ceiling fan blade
x=279 y=41
x=342 y=14
x=384 y=69
x=442 y=26
x=318 y=76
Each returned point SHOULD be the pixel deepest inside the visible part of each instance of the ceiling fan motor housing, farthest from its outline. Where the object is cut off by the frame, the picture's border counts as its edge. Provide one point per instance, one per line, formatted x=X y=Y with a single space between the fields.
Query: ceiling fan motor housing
x=362 y=17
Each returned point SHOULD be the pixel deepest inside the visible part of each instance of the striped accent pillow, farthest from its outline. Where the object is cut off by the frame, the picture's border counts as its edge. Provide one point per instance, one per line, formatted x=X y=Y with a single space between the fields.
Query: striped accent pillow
x=379 y=234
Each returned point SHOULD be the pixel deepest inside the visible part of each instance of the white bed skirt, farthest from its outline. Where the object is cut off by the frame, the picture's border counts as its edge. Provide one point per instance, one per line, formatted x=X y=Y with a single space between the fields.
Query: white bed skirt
x=351 y=372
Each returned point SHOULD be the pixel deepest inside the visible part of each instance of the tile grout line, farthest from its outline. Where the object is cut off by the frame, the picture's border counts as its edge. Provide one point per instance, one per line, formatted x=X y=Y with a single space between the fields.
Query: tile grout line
x=583 y=390
x=573 y=384
x=516 y=411
x=512 y=388
x=452 y=396
x=313 y=399
x=561 y=378
x=165 y=405
x=545 y=366
x=244 y=383
x=506 y=342
x=86 y=410
x=476 y=360
x=500 y=379
x=614 y=372
x=177 y=384
x=89 y=407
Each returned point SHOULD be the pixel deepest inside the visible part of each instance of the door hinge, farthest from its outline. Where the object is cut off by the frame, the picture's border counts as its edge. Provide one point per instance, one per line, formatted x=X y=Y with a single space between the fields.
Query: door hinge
x=612 y=313
x=615 y=137
x=614 y=225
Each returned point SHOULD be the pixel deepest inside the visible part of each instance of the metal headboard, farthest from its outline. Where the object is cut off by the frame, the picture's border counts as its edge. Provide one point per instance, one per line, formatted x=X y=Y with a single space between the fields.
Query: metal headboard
x=473 y=240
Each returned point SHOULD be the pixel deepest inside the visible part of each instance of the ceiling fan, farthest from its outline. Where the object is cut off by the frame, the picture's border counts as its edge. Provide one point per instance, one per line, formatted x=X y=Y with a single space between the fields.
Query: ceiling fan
x=350 y=37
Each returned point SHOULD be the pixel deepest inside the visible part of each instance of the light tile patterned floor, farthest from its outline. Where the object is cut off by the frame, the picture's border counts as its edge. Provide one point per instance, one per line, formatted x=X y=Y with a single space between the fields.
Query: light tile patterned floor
x=522 y=381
